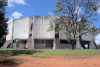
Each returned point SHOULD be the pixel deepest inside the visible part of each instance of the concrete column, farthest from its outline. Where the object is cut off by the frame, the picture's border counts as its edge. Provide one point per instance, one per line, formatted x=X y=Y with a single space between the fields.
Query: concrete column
x=14 y=45
x=33 y=43
x=78 y=45
x=58 y=46
x=54 y=43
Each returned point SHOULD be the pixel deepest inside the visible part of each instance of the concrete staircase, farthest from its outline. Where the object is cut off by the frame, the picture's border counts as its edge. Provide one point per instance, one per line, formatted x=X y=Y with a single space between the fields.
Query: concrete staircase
x=6 y=44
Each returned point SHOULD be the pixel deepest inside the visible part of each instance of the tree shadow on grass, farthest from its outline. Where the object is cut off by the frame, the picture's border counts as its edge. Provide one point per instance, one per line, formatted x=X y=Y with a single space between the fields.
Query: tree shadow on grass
x=19 y=52
x=8 y=63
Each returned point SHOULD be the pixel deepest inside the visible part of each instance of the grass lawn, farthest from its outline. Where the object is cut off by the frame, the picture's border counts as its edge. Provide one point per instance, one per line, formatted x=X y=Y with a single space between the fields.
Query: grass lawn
x=61 y=52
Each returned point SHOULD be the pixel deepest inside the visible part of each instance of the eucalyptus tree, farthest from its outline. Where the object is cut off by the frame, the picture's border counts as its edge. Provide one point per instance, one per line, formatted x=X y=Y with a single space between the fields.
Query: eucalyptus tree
x=74 y=16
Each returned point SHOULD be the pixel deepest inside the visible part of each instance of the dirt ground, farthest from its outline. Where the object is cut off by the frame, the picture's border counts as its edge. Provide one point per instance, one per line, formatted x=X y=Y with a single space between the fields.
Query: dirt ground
x=55 y=61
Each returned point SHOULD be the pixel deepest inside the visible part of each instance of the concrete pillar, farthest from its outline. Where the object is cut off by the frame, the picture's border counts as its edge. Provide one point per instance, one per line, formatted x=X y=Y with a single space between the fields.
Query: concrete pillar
x=58 y=46
x=54 y=43
x=33 y=43
x=14 y=45
x=78 y=45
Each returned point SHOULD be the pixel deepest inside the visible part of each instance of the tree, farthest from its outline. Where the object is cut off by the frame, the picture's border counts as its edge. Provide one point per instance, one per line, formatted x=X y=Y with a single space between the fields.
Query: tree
x=71 y=20
x=3 y=20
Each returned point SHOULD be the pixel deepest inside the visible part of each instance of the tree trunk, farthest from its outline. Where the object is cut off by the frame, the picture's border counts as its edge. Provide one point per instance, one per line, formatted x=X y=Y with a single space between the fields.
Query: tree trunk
x=72 y=46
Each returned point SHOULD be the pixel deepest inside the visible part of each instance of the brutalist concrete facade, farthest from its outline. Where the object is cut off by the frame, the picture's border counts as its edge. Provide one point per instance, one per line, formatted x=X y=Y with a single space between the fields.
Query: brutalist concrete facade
x=32 y=34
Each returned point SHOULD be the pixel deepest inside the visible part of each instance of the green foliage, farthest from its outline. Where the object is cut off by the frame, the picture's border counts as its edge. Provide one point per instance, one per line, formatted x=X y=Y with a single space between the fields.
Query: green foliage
x=3 y=20
x=2 y=40
x=69 y=52
x=15 y=40
x=18 y=51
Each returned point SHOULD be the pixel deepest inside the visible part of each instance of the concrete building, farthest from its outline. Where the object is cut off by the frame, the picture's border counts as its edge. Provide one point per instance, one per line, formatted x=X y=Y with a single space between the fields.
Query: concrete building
x=32 y=34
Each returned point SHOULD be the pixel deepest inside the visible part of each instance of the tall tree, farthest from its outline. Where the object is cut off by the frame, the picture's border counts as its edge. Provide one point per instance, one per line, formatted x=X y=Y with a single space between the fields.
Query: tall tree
x=71 y=20
x=3 y=20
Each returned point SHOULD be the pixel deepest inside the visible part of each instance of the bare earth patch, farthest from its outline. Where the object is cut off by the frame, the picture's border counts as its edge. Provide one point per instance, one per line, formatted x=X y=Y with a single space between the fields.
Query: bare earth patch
x=56 y=61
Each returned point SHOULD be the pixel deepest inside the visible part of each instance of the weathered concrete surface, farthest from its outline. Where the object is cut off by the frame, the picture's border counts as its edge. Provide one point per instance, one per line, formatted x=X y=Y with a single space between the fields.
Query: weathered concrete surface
x=56 y=43
x=40 y=45
x=29 y=40
x=14 y=45
x=91 y=45
x=78 y=45
x=29 y=43
x=21 y=28
x=9 y=35
x=6 y=44
x=66 y=46
x=40 y=26
x=61 y=34
x=22 y=46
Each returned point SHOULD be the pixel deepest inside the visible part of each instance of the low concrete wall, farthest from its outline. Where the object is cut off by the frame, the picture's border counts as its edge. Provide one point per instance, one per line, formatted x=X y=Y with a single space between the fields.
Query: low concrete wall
x=39 y=45
x=22 y=46
x=64 y=46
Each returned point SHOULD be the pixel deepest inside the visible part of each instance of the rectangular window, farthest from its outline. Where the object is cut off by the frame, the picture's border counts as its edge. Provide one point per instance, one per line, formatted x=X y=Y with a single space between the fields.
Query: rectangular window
x=64 y=42
x=40 y=41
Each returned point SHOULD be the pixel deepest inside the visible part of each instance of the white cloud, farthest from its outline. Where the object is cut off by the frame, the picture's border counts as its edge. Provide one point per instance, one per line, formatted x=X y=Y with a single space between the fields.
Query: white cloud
x=78 y=10
x=16 y=15
x=98 y=11
x=10 y=19
x=98 y=39
x=11 y=2
x=20 y=2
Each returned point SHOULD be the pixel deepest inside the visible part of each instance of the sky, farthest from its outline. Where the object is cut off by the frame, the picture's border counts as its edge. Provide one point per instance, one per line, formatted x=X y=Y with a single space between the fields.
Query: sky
x=23 y=8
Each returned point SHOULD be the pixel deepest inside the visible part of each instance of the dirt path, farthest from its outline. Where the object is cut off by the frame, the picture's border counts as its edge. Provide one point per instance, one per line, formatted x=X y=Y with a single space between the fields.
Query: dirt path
x=58 y=61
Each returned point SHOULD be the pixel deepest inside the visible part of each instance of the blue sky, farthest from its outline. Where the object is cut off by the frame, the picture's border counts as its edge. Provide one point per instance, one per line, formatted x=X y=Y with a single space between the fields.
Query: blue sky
x=23 y=8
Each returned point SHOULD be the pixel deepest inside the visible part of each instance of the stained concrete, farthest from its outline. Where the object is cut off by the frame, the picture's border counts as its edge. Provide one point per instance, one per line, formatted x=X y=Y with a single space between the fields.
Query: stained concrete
x=36 y=28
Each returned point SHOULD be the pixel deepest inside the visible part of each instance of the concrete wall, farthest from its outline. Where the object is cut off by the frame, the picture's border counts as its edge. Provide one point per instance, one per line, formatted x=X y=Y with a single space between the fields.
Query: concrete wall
x=64 y=46
x=30 y=24
x=41 y=24
x=61 y=34
x=9 y=35
x=91 y=45
x=40 y=46
x=78 y=45
x=21 y=28
x=88 y=36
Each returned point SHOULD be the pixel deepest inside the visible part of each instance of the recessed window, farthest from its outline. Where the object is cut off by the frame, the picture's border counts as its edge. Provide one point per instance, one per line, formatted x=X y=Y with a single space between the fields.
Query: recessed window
x=64 y=41
x=40 y=41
